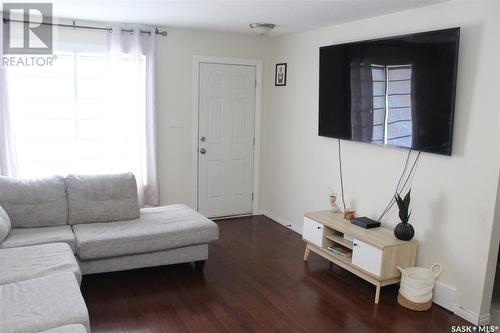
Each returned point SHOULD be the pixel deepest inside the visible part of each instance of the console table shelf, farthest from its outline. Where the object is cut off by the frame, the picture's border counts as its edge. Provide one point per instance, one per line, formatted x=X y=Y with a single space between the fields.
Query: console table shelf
x=375 y=252
x=342 y=241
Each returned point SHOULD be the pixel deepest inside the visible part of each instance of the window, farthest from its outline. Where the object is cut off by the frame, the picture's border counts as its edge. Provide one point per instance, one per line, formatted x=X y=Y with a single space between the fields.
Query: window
x=79 y=116
x=392 y=118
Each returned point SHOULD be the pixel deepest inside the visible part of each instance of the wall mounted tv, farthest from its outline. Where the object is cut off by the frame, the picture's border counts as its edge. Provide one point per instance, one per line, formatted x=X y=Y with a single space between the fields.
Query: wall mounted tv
x=397 y=91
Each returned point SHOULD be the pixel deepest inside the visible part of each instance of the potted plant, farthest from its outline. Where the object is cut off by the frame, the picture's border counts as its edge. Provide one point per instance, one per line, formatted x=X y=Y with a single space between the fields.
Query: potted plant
x=404 y=230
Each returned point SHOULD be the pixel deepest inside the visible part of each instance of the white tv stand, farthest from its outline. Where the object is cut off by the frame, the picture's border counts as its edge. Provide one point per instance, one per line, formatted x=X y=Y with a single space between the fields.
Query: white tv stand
x=375 y=252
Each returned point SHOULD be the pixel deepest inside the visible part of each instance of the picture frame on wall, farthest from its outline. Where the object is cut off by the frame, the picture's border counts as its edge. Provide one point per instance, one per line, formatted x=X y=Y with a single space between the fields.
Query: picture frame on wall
x=280 y=75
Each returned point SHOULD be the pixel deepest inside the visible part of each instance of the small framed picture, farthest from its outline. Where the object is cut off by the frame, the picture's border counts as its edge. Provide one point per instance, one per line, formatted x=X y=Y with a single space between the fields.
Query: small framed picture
x=280 y=75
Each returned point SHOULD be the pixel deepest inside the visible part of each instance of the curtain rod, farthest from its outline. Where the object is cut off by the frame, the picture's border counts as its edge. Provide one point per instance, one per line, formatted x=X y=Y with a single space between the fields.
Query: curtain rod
x=74 y=26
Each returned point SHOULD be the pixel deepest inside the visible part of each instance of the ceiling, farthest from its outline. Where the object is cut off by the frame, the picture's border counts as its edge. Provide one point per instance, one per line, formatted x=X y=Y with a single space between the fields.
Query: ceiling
x=231 y=16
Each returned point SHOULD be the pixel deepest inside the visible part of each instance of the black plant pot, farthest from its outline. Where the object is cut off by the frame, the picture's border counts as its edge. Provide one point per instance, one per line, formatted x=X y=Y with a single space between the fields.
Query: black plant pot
x=404 y=231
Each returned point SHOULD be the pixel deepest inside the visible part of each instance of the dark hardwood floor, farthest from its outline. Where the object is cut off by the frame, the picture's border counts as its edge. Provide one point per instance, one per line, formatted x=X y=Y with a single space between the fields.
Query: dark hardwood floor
x=255 y=280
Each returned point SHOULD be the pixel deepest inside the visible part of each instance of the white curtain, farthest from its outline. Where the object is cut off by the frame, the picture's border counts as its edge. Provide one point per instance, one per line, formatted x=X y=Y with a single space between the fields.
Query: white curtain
x=132 y=54
x=8 y=160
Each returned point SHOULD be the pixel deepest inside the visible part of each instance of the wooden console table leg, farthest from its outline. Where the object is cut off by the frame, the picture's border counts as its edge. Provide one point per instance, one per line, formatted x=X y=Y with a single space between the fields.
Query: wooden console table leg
x=377 y=293
x=306 y=254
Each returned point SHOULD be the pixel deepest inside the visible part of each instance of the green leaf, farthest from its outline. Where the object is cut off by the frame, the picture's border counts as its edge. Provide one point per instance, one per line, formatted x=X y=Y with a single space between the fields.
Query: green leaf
x=399 y=201
x=403 y=209
x=407 y=199
x=403 y=216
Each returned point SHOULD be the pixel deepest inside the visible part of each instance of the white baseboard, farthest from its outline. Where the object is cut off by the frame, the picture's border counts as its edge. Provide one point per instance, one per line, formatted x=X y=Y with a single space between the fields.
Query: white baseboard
x=444 y=295
x=485 y=319
x=472 y=316
x=257 y=212
x=282 y=221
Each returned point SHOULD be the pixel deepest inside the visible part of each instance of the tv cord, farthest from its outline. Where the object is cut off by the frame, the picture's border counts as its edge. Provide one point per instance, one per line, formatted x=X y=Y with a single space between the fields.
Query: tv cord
x=409 y=177
x=341 y=177
x=397 y=186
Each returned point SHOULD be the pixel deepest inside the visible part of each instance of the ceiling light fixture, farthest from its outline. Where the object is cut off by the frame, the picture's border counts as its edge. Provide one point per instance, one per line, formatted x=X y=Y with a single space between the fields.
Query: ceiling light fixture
x=261 y=29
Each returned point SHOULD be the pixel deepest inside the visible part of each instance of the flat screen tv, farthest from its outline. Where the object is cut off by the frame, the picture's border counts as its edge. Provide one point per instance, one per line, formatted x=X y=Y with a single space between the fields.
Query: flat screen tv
x=397 y=91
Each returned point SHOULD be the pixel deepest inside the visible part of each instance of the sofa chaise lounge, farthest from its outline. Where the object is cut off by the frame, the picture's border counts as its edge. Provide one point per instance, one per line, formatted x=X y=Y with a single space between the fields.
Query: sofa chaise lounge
x=61 y=228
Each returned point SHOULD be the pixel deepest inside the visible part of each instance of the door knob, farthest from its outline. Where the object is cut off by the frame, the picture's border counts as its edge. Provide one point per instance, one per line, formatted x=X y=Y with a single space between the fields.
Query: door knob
x=203 y=151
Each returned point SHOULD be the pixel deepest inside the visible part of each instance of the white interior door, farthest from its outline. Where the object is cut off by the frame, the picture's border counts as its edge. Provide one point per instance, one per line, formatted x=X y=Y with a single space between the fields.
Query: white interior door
x=225 y=139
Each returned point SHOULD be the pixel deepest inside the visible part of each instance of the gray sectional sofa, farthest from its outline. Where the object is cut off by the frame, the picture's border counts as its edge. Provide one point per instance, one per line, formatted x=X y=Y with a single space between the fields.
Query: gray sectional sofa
x=53 y=230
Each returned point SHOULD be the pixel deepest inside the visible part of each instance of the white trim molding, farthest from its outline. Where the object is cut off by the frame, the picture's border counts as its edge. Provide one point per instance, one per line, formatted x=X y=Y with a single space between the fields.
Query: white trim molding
x=445 y=296
x=470 y=316
x=281 y=220
x=485 y=319
x=197 y=60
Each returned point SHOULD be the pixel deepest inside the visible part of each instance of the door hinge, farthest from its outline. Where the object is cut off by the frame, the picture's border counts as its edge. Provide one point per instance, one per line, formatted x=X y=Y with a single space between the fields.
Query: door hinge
x=255 y=83
x=254 y=141
x=252 y=196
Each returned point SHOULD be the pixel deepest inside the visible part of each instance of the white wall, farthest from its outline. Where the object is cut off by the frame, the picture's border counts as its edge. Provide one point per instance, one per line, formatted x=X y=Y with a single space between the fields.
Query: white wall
x=174 y=99
x=453 y=197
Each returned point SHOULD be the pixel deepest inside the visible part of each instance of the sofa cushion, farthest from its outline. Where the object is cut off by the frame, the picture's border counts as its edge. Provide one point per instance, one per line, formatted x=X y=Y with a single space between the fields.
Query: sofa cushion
x=36 y=236
x=4 y=224
x=76 y=328
x=28 y=262
x=157 y=229
x=102 y=198
x=34 y=202
x=43 y=303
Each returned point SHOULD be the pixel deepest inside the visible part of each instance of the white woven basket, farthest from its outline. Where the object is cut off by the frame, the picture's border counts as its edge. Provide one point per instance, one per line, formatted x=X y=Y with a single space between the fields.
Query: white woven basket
x=417 y=283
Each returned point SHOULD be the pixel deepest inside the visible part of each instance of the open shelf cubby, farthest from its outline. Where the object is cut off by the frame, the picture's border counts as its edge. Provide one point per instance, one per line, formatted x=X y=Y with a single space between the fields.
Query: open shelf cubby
x=341 y=241
x=335 y=239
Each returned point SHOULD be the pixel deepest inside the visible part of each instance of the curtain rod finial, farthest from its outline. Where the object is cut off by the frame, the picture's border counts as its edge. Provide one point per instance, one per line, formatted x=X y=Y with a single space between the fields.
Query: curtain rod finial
x=158 y=32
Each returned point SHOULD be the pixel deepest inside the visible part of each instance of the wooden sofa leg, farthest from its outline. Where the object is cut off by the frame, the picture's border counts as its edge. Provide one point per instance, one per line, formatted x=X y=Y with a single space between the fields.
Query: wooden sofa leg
x=199 y=265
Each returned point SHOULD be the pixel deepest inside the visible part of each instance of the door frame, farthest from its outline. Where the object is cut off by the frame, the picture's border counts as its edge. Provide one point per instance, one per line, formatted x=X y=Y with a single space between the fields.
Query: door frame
x=197 y=61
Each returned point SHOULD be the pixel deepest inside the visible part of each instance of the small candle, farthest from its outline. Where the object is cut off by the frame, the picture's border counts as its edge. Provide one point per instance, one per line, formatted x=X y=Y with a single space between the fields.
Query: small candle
x=349 y=214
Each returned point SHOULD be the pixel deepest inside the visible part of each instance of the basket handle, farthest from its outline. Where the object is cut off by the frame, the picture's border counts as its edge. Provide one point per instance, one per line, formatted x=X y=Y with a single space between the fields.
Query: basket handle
x=436 y=273
x=401 y=270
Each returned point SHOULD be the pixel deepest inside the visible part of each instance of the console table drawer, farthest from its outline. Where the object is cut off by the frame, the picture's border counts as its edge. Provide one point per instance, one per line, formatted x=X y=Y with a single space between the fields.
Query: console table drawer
x=367 y=257
x=313 y=232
